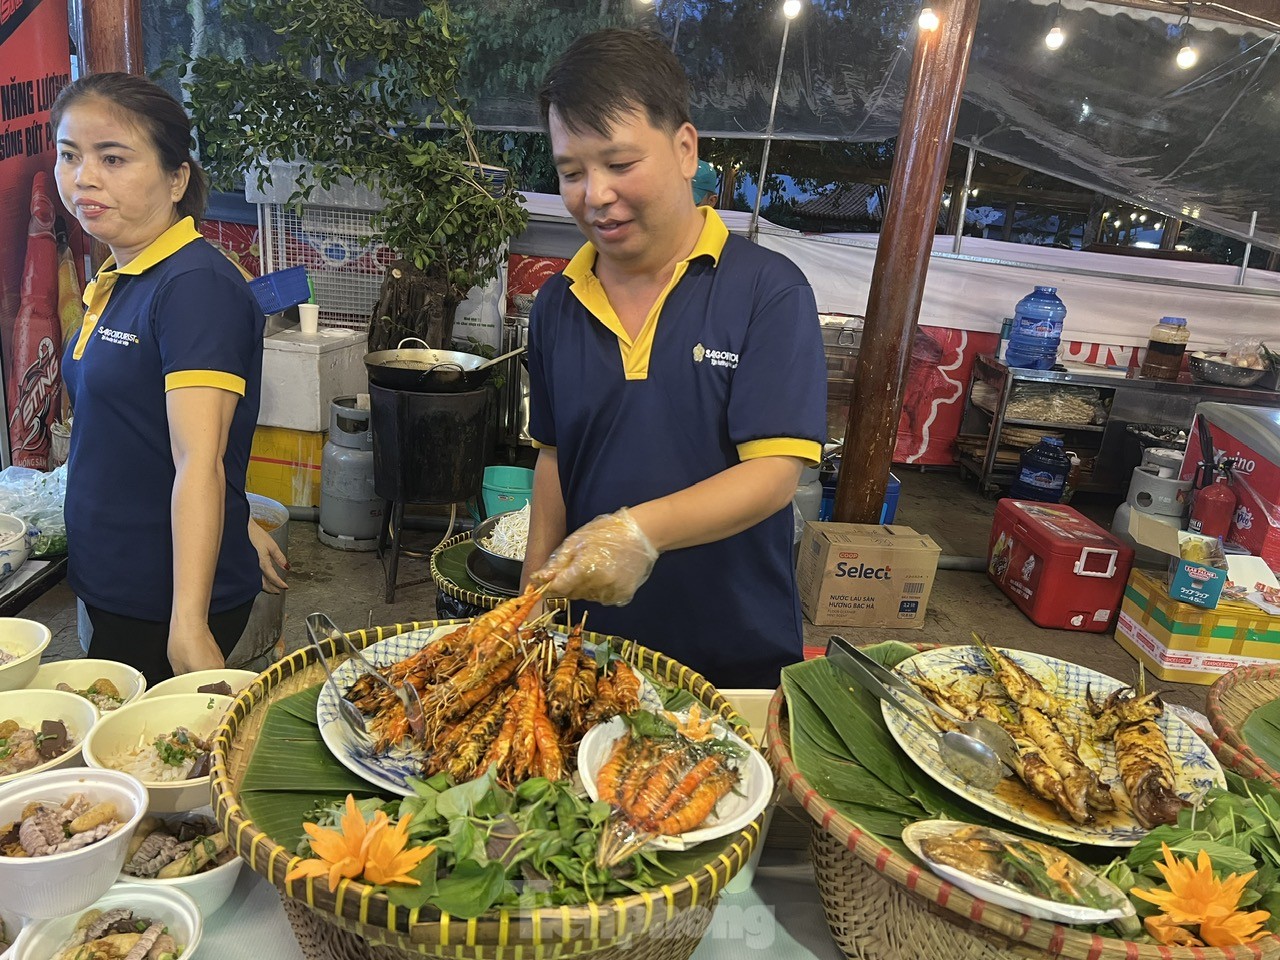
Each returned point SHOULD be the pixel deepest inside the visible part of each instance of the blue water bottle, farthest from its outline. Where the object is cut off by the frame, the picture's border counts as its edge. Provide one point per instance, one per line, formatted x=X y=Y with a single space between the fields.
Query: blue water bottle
x=1042 y=472
x=1037 y=330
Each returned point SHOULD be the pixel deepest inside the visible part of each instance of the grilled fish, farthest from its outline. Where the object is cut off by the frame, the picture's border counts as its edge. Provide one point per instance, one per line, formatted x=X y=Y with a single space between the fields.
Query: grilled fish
x=1024 y=689
x=1146 y=769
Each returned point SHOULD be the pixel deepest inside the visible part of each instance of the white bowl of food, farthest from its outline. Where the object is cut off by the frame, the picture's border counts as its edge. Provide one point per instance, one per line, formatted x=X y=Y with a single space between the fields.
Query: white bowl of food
x=236 y=680
x=162 y=742
x=11 y=924
x=107 y=684
x=122 y=908
x=187 y=853
x=42 y=730
x=78 y=869
x=15 y=545
x=22 y=643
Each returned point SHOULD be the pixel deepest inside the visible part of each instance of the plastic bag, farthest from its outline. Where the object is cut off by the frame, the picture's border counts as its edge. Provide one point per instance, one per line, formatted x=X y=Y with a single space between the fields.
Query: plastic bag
x=37 y=498
x=1247 y=352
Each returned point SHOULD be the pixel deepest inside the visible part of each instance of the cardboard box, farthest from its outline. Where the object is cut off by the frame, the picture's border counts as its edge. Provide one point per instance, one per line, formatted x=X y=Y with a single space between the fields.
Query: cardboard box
x=863 y=575
x=1190 y=581
x=1188 y=644
x=285 y=465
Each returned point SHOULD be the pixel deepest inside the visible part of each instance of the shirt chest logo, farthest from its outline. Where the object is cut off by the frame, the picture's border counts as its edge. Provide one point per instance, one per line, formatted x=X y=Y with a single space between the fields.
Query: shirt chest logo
x=716 y=358
x=121 y=338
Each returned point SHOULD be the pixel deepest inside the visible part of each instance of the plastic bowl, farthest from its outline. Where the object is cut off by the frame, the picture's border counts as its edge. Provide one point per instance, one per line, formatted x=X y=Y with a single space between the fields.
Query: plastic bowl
x=211 y=889
x=79 y=674
x=190 y=682
x=25 y=640
x=1214 y=370
x=13 y=924
x=30 y=707
x=14 y=545
x=142 y=722
x=173 y=908
x=63 y=883
x=504 y=565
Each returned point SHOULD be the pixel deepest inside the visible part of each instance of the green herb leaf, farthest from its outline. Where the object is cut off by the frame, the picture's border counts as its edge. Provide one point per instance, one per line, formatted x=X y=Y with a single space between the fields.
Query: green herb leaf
x=411 y=897
x=470 y=889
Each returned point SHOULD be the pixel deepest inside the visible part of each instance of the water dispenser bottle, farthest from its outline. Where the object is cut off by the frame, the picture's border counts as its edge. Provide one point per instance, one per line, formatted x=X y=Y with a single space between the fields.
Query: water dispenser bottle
x=1037 y=330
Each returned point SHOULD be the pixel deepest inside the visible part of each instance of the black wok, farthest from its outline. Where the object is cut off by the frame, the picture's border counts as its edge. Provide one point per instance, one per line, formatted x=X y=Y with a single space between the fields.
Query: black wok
x=428 y=371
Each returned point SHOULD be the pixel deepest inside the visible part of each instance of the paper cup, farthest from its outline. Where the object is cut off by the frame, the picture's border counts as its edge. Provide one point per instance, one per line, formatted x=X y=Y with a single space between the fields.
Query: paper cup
x=309 y=317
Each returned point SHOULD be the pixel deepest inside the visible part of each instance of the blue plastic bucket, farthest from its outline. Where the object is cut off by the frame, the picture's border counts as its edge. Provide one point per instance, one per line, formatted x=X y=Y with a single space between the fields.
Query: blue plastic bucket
x=505 y=489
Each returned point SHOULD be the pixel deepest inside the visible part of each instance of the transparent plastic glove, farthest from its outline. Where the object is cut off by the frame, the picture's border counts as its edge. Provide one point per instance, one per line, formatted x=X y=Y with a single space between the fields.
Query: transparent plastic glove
x=605 y=560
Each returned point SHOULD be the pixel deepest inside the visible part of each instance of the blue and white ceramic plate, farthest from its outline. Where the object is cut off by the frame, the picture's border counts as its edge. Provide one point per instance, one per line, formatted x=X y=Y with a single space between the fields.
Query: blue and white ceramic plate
x=1195 y=767
x=391 y=771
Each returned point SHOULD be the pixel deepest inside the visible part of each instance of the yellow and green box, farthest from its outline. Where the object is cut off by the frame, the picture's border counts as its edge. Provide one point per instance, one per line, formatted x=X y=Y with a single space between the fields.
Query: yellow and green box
x=1187 y=644
x=285 y=465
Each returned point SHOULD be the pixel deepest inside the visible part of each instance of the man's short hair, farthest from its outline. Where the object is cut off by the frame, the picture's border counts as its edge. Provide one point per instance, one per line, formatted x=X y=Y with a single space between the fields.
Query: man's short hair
x=607 y=74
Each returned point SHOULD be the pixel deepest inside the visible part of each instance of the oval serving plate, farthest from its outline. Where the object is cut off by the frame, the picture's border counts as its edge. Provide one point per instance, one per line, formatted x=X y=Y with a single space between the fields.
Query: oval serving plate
x=391 y=770
x=1003 y=896
x=1195 y=768
x=734 y=811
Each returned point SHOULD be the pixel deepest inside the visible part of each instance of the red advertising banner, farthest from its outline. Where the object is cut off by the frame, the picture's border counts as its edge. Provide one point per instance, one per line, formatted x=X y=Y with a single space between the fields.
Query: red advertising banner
x=34 y=251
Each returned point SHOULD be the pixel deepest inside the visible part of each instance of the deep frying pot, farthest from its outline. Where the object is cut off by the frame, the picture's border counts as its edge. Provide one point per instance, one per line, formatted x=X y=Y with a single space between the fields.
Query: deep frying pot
x=426 y=370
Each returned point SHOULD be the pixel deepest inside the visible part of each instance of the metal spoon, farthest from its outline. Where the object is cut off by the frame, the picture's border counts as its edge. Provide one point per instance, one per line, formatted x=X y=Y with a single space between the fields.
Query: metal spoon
x=985 y=731
x=348 y=712
x=971 y=760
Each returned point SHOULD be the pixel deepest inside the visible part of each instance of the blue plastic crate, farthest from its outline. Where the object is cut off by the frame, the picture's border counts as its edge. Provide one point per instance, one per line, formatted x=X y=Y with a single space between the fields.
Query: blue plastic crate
x=282 y=289
x=889 y=509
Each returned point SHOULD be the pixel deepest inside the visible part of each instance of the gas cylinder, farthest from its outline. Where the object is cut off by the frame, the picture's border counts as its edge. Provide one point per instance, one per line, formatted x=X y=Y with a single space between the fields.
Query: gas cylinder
x=1214 y=506
x=350 y=510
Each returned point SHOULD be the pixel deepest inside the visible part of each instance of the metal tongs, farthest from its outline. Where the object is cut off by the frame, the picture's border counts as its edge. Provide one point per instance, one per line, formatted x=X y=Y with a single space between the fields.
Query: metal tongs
x=319 y=624
x=977 y=751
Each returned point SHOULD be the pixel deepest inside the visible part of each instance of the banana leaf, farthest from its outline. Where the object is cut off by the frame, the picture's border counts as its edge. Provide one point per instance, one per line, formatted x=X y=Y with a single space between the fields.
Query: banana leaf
x=806 y=716
x=452 y=564
x=837 y=778
x=292 y=771
x=1261 y=731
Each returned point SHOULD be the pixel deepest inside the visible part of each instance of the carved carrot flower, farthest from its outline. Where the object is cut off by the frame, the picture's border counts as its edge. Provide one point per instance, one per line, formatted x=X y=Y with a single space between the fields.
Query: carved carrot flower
x=339 y=853
x=1198 y=898
x=388 y=861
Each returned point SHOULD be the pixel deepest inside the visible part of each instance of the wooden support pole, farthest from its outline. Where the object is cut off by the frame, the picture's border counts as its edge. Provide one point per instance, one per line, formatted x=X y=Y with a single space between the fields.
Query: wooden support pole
x=938 y=69
x=112 y=31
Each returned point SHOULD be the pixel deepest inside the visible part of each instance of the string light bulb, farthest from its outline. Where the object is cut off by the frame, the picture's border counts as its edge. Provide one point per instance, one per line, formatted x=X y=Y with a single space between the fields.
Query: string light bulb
x=791 y=9
x=1055 y=38
x=1187 y=56
x=928 y=20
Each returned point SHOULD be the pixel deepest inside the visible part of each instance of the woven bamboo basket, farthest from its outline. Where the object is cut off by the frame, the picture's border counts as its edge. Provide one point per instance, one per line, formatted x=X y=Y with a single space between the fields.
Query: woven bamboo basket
x=882 y=906
x=665 y=923
x=1233 y=697
x=446 y=586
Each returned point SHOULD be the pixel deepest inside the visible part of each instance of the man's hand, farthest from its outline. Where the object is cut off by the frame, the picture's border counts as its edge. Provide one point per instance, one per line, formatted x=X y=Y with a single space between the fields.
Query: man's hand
x=192 y=647
x=270 y=557
x=606 y=560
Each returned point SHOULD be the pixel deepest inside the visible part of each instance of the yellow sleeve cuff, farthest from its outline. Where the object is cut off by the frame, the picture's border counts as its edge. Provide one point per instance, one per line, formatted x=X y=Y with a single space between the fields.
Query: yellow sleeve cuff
x=204 y=378
x=539 y=445
x=810 y=451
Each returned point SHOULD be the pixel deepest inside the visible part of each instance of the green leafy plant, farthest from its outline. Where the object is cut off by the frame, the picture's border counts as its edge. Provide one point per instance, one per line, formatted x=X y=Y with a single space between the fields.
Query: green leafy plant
x=364 y=98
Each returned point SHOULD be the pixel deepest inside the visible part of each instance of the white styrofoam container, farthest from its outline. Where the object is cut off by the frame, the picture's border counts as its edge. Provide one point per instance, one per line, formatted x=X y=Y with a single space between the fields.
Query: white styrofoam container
x=302 y=373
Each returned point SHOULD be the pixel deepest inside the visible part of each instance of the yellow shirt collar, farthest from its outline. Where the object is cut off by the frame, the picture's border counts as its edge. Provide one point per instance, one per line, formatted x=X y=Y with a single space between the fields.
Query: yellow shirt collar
x=163 y=246
x=710 y=243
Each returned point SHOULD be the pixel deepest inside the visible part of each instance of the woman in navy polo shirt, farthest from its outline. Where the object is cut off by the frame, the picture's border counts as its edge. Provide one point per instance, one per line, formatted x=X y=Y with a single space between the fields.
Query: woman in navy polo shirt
x=164 y=379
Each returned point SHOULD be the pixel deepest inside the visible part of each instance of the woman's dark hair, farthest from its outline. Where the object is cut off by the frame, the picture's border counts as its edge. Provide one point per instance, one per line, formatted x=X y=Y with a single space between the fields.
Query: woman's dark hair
x=153 y=110
x=607 y=74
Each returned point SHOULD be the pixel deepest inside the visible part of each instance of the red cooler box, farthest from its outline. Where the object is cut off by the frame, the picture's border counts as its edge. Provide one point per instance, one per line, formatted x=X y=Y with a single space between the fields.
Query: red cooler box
x=1062 y=570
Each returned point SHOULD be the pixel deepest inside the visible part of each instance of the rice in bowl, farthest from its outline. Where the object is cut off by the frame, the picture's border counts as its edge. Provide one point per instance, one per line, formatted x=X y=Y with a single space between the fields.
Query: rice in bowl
x=176 y=755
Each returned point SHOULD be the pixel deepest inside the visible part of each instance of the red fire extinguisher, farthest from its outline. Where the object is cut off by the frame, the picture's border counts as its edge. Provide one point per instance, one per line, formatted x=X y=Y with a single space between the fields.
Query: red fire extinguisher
x=1215 y=505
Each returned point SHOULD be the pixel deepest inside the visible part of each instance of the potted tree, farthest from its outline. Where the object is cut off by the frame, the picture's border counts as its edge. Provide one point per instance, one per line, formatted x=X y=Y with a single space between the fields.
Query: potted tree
x=356 y=96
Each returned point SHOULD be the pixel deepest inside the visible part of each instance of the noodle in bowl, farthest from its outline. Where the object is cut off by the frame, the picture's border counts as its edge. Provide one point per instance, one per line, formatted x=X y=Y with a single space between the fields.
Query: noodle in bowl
x=125 y=740
x=510 y=535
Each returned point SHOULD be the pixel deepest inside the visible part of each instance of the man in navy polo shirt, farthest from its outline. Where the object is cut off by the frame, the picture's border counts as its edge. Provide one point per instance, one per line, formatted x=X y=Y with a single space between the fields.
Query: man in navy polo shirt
x=677 y=384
